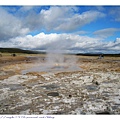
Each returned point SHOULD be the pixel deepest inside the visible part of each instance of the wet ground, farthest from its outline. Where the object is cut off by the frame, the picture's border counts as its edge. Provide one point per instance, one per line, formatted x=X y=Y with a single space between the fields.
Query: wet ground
x=92 y=89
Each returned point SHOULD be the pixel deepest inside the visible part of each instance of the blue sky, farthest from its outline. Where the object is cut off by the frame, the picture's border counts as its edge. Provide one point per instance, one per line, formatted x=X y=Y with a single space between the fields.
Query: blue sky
x=70 y=28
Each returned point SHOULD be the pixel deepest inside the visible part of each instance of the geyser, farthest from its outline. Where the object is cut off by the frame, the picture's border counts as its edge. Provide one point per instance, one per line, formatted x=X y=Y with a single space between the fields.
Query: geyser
x=55 y=61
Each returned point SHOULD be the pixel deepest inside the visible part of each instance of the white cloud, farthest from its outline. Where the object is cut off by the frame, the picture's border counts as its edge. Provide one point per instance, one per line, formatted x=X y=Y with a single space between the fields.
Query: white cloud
x=104 y=33
x=54 y=16
x=58 y=42
x=26 y=19
x=64 y=18
x=79 y=20
x=60 y=18
x=10 y=26
x=115 y=13
x=25 y=8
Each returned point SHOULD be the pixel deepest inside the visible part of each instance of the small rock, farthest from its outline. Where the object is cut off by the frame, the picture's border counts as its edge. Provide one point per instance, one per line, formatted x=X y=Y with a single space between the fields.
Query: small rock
x=70 y=96
x=96 y=83
x=23 y=84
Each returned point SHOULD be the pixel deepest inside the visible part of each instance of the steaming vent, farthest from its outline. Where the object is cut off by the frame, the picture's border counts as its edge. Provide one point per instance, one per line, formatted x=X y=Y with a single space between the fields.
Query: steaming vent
x=54 y=63
x=59 y=66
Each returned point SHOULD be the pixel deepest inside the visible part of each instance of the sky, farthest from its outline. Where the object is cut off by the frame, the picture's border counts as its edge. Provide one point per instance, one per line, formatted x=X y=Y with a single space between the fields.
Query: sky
x=74 y=29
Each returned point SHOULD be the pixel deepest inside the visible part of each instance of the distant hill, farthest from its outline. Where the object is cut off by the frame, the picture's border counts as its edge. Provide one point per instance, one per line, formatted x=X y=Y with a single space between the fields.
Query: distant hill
x=17 y=50
x=97 y=54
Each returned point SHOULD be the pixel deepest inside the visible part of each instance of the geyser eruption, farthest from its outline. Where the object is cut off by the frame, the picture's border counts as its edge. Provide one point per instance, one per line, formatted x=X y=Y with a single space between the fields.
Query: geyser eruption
x=56 y=60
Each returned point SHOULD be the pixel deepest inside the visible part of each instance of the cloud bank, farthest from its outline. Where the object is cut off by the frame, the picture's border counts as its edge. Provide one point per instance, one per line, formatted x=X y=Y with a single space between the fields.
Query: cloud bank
x=70 y=43
x=26 y=20
x=59 y=28
x=104 y=33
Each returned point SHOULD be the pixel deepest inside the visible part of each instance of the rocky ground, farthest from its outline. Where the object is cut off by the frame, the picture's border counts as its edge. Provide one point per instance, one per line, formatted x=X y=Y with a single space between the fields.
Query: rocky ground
x=93 y=89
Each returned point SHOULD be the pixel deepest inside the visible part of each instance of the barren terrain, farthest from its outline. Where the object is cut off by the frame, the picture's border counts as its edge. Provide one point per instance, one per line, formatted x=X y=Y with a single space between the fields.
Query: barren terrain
x=93 y=87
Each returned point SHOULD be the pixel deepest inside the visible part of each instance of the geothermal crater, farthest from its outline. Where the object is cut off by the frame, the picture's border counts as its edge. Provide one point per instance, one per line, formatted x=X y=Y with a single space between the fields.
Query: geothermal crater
x=54 y=63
